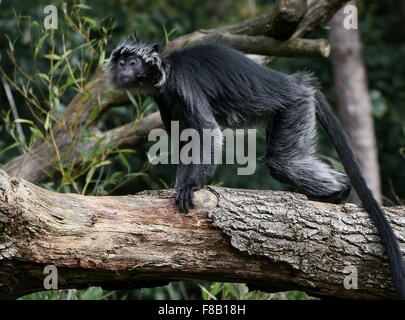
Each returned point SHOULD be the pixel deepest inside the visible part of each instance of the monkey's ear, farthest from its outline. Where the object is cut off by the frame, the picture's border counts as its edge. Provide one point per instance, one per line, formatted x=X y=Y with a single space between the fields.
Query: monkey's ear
x=157 y=47
x=133 y=35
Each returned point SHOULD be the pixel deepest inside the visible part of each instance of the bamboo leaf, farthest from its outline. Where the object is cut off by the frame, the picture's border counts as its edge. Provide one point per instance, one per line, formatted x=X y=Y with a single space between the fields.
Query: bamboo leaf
x=52 y=56
x=46 y=124
x=25 y=121
x=91 y=21
x=82 y=6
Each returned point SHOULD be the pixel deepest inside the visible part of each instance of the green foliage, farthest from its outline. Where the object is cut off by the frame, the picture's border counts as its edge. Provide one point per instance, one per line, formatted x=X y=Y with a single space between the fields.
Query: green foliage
x=239 y=291
x=61 y=65
x=173 y=291
x=93 y=293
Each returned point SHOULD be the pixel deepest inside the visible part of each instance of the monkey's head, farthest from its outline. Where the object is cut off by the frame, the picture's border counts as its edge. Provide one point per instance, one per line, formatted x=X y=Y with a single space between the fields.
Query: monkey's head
x=135 y=64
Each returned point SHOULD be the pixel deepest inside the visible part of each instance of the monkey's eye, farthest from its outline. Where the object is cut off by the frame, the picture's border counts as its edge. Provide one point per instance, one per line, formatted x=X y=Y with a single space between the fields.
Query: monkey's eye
x=132 y=62
x=121 y=63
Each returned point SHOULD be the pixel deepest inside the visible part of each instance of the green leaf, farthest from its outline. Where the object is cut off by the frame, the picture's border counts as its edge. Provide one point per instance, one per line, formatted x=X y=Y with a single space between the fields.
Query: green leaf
x=93 y=113
x=216 y=287
x=38 y=46
x=91 y=21
x=231 y=288
x=46 y=124
x=55 y=67
x=38 y=133
x=164 y=184
x=43 y=76
x=125 y=151
x=82 y=6
x=10 y=44
x=14 y=145
x=208 y=294
x=69 y=21
x=132 y=99
x=90 y=174
x=52 y=56
x=103 y=163
x=34 y=24
x=25 y=121
x=66 y=54
x=136 y=174
x=124 y=160
x=101 y=58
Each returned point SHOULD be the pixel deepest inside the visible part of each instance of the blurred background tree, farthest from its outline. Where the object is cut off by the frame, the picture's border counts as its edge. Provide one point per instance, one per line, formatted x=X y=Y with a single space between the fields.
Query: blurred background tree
x=352 y=96
x=97 y=27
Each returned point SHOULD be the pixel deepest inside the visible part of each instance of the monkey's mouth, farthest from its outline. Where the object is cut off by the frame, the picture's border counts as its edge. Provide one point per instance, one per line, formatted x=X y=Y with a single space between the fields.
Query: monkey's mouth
x=127 y=78
x=131 y=82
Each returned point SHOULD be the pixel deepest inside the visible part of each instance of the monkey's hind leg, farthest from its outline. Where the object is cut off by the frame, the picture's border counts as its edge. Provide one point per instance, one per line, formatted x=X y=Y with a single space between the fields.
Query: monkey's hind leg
x=291 y=154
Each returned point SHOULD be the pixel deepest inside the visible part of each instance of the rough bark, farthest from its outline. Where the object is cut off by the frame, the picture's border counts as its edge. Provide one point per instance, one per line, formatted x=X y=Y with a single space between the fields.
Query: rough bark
x=41 y=161
x=272 y=47
x=353 y=99
x=270 y=240
x=279 y=23
x=319 y=12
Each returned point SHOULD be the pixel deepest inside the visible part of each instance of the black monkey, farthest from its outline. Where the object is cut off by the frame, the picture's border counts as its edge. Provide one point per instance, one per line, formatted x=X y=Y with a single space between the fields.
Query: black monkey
x=208 y=86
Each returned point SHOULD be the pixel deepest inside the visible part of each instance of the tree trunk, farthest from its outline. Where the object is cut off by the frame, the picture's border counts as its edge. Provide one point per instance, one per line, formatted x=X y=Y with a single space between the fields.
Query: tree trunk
x=270 y=240
x=353 y=99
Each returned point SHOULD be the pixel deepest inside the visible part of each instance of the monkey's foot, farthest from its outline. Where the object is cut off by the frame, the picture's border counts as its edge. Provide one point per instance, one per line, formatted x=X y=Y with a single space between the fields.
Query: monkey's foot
x=184 y=197
x=336 y=197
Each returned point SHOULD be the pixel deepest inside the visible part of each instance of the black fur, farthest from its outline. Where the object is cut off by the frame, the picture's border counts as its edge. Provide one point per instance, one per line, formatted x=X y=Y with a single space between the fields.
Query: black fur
x=208 y=86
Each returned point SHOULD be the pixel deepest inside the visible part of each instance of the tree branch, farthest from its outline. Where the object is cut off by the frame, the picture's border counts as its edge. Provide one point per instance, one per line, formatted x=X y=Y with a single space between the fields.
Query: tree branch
x=271 y=47
x=279 y=23
x=270 y=240
x=318 y=13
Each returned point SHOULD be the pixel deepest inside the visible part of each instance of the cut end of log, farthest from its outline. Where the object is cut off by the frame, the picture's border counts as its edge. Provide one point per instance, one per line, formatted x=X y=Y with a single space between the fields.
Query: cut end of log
x=325 y=48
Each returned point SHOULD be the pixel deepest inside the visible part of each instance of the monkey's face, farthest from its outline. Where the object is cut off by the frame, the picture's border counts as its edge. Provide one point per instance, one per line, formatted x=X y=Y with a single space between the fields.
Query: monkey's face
x=132 y=72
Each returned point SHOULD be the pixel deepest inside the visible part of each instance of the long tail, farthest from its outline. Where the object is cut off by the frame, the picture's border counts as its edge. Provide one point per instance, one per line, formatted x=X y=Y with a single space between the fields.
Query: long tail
x=338 y=138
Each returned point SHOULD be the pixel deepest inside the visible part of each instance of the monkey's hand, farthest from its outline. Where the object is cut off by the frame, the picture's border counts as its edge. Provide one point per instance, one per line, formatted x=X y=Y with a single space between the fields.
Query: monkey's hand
x=184 y=197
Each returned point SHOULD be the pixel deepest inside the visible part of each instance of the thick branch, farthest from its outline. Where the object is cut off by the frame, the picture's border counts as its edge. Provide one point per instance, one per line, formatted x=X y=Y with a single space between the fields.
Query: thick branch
x=262 y=35
x=318 y=13
x=131 y=134
x=279 y=23
x=271 y=47
x=268 y=46
x=270 y=240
